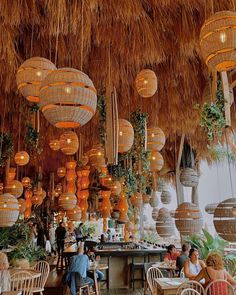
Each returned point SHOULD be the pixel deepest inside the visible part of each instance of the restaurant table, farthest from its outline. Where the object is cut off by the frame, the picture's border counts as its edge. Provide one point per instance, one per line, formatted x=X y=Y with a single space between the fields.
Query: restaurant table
x=169 y=286
x=11 y=293
x=169 y=267
x=94 y=268
x=35 y=274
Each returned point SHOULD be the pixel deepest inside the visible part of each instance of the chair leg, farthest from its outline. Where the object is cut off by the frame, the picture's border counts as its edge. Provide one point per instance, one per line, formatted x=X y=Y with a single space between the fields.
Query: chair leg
x=88 y=290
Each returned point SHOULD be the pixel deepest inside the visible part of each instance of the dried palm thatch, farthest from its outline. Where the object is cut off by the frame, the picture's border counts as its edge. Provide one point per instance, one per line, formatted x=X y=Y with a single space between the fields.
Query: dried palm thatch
x=161 y=35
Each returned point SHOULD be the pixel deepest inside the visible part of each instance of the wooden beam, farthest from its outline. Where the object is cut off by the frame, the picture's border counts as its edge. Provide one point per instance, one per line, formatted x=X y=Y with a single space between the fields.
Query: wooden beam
x=227 y=97
x=179 y=187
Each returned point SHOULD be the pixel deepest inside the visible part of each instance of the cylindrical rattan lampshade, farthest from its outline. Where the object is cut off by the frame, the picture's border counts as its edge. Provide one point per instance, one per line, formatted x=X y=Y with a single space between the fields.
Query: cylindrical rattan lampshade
x=14 y=188
x=69 y=143
x=188 y=219
x=22 y=158
x=125 y=136
x=225 y=219
x=61 y=171
x=26 y=181
x=155 y=139
x=154 y=200
x=54 y=144
x=116 y=188
x=156 y=161
x=96 y=156
x=165 y=224
x=106 y=204
x=146 y=83
x=189 y=177
x=166 y=197
x=9 y=210
x=155 y=213
x=30 y=75
x=67 y=201
x=218 y=41
x=68 y=98
x=210 y=208
x=74 y=214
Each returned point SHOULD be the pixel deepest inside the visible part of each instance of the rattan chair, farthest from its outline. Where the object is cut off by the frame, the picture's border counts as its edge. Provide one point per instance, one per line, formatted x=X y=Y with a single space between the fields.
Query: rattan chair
x=22 y=281
x=192 y=285
x=39 y=283
x=190 y=291
x=219 y=287
x=152 y=274
x=181 y=273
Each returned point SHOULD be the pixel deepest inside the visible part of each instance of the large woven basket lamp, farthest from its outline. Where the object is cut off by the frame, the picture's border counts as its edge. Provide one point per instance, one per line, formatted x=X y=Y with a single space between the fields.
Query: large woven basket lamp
x=166 y=197
x=188 y=219
x=14 y=188
x=189 y=177
x=22 y=158
x=67 y=201
x=74 y=214
x=154 y=200
x=96 y=156
x=125 y=136
x=218 y=41
x=54 y=144
x=146 y=83
x=225 y=219
x=69 y=143
x=156 y=161
x=68 y=98
x=30 y=75
x=155 y=139
x=165 y=224
x=9 y=210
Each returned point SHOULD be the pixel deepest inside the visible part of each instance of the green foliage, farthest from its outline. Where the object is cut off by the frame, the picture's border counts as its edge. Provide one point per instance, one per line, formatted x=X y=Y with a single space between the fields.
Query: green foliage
x=230 y=263
x=219 y=153
x=151 y=237
x=206 y=243
x=213 y=114
x=32 y=139
x=88 y=229
x=6 y=148
x=4 y=237
x=101 y=106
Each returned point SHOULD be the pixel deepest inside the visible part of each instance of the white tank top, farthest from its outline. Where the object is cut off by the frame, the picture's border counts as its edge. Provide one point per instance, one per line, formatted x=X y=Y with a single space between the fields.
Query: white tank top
x=194 y=268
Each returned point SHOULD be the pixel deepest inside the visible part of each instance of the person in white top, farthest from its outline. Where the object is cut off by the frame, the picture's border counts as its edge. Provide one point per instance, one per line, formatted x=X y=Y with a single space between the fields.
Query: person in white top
x=5 y=279
x=193 y=266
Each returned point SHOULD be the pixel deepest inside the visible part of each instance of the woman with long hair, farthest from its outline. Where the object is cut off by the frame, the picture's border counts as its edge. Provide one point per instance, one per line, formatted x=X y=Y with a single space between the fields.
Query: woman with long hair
x=193 y=265
x=5 y=279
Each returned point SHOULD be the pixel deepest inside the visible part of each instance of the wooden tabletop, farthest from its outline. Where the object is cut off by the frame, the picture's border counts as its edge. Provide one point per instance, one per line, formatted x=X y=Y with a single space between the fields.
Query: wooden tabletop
x=169 y=286
x=35 y=274
x=11 y=293
x=99 y=266
x=165 y=265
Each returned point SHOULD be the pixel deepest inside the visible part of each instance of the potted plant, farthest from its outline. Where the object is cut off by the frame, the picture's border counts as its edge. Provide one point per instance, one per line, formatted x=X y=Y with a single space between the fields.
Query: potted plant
x=4 y=238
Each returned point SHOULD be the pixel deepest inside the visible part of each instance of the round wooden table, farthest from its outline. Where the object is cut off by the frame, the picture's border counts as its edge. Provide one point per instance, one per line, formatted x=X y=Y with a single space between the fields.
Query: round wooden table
x=93 y=268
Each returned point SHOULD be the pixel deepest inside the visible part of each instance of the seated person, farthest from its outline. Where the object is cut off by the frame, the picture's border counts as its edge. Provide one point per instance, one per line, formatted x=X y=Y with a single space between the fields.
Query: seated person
x=193 y=265
x=5 y=279
x=171 y=254
x=214 y=270
x=80 y=263
x=91 y=255
x=183 y=256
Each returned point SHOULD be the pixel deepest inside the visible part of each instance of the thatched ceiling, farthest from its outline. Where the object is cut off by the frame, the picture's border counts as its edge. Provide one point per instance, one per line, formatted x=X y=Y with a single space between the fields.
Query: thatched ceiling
x=162 y=35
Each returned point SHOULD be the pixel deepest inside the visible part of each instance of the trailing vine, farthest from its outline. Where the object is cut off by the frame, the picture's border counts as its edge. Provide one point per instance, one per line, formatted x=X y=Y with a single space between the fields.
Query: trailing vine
x=6 y=145
x=101 y=106
x=32 y=139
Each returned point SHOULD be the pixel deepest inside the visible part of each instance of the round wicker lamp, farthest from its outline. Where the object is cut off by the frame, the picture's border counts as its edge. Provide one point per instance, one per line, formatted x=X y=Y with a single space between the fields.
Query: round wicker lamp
x=218 y=41
x=9 y=210
x=69 y=143
x=146 y=83
x=54 y=144
x=96 y=156
x=68 y=98
x=156 y=161
x=189 y=177
x=67 y=201
x=225 y=219
x=165 y=224
x=155 y=139
x=210 y=208
x=30 y=75
x=155 y=213
x=166 y=197
x=61 y=171
x=188 y=219
x=26 y=181
x=154 y=200
x=22 y=158
x=74 y=214
x=37 y=200
x=125 y=136
x=14 y=188
x=22 y=205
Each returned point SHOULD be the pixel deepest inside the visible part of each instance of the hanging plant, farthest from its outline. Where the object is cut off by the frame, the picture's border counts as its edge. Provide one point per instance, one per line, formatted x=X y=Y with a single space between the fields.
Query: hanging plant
x=213 y=114
x=6 y=148
x=32 y=139
x=101 y=106
x=33 y=107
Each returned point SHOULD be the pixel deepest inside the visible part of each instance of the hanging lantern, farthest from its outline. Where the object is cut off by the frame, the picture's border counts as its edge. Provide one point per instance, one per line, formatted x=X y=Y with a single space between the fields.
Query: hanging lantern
x=74 y=214
x=123 y=207
x=146 y=83
x=116 y=188
x=165 y=224
x=154 y=200
x=189 y=177
x=9 y=210
x=37 y=200
x=69 y=143
x=26 y=181
x=67 y=201
x=11 y=174
x=166 y=197
x=30 y=75
x=210 y=208
x=155 y=139
x=96 y=156
x=83 y=203
x=68 y=98
x=225 y=219
x=85 y=178
x=22 y=205
x=137 y=200
x=155 y=213
x=22 y=158
x=106 y=204
x=218 y=41
x=125 y=136
x=14 y=188
x=28 y=194
x=156 y=161
x=61 y=172
x=70 y=177
x=54 y=144
x=188 y=219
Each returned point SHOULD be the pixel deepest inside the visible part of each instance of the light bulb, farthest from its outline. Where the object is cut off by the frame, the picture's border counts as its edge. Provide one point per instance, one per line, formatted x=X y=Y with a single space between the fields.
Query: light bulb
x=68 y=140
x=223 y=37
x=109 y=178
x=153 y=134
x=67 y=198
x=5 y=205
x=121 y=133
x=68 y=90
x=22 y=157
x=14 y=186
x=153 y=158
x=39 y=74
x=145 y=81
x=99 y=153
